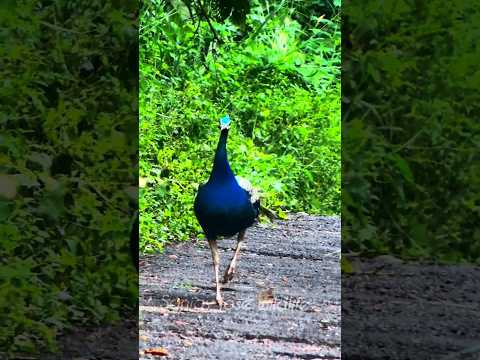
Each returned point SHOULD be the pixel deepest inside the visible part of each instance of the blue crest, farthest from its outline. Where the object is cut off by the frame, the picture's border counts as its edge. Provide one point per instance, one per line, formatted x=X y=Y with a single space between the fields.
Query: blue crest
x=225 y=121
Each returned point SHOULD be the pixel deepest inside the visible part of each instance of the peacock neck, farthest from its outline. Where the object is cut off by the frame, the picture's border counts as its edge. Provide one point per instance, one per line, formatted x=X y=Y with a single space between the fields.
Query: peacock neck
x=221 y=168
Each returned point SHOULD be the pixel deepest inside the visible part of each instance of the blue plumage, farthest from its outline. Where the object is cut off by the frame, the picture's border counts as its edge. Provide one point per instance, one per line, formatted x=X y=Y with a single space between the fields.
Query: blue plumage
x=222 y=206
x=225 y=206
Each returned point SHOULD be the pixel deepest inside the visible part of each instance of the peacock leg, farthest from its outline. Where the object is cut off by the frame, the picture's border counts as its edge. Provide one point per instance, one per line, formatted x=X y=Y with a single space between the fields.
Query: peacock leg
x=216 y=266
x=233 y=263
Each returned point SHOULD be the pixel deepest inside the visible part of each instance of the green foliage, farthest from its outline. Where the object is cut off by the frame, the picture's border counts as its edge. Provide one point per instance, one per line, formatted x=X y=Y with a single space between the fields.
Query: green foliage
x=411 y=134
x=280 y=84
x=63 y=227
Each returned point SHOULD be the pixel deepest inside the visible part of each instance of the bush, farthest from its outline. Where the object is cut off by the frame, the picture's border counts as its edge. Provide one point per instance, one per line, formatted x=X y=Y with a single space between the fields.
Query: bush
x=279 y=83
x=410 y=145
x=66 y=149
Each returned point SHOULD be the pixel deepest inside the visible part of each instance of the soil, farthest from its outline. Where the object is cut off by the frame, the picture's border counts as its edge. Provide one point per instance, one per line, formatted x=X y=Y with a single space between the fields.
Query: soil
x=401 y=311
x=113 y=342
x=283 y=303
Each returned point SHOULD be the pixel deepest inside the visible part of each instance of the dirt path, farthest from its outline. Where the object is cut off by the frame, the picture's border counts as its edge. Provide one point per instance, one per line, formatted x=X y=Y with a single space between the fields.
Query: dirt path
x=108 y=342
x=405 y=311
x=283 y=304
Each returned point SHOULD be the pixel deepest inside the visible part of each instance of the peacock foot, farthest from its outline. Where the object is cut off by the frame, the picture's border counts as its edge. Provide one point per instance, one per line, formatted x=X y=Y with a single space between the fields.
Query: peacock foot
x=228 y=276
x=220 y=301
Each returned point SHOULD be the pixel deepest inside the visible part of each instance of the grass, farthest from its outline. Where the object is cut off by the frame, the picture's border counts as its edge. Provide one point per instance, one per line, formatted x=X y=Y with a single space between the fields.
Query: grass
x=279 y=83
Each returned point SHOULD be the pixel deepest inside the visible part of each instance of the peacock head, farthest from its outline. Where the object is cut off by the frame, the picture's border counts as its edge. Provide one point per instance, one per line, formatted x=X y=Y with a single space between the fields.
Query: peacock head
x=225 y=123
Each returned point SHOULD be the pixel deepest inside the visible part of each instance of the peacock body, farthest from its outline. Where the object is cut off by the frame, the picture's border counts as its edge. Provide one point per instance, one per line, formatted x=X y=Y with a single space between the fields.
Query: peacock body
x=225 y=205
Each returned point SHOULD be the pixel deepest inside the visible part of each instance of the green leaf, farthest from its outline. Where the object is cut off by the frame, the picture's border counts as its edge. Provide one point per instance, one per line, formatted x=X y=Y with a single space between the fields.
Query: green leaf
x=403 y=167
x=6 y=209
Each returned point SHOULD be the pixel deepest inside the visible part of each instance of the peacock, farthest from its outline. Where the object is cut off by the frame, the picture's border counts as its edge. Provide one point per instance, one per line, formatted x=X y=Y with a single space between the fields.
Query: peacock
x=224 y=206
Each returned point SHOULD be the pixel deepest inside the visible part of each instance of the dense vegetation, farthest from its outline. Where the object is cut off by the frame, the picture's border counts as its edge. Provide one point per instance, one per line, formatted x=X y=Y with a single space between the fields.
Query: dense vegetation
x=274 y=67
x=411 y=135
x=68 y=142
